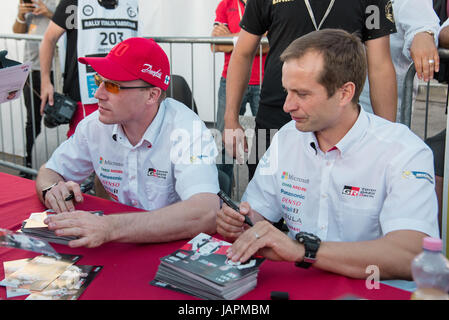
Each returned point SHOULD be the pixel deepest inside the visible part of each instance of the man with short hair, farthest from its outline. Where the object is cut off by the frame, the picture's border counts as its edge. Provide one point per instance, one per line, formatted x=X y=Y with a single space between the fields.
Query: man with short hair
x=148 y=152
x=354 y=189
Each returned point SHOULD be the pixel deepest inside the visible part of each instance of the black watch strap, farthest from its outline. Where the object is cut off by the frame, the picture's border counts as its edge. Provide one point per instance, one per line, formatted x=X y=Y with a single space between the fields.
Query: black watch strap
x=311 y=245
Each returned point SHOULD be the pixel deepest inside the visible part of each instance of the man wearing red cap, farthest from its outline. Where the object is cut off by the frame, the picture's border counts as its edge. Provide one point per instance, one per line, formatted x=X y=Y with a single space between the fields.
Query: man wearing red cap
x=148 y=151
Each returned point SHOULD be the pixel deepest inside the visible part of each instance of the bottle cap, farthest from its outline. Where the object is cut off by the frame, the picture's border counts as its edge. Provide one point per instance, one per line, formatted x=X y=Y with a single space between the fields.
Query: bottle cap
x=432 y=244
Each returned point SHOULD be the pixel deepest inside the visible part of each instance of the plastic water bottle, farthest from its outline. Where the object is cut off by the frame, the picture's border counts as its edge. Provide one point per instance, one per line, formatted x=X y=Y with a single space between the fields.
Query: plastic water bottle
x=430 y=270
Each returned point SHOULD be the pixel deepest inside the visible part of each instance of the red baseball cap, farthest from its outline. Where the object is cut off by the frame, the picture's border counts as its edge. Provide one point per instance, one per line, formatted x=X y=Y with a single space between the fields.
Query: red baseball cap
x=133 y=59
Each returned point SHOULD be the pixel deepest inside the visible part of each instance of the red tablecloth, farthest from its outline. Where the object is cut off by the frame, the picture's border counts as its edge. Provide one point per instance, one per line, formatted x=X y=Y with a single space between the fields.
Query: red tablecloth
x=128 y=268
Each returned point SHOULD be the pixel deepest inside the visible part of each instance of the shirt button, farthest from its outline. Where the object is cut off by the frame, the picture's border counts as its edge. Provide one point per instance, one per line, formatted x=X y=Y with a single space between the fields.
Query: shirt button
x=323 y=227
x=132 y=177
x=324 y=196
x=328 y=163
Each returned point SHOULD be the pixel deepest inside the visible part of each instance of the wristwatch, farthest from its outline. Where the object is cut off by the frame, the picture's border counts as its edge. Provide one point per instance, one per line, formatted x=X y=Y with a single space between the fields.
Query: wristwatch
x=45 y=190
x=311 y=245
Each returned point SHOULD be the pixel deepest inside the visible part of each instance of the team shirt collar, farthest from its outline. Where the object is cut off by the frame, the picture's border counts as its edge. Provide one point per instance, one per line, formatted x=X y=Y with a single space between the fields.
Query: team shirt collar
x=355 y=134
x=150 y=134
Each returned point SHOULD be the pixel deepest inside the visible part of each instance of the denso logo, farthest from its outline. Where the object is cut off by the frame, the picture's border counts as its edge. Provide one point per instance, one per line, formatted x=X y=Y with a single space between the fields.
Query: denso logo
x=295 y=203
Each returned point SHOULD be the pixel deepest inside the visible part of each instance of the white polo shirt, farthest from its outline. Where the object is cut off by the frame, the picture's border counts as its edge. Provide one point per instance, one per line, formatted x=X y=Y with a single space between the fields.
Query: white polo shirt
x=379 y=178
x=174 y=160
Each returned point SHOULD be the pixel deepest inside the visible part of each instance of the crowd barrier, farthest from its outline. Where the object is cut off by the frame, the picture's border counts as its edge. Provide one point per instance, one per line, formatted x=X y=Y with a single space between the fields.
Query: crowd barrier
x=13 y=117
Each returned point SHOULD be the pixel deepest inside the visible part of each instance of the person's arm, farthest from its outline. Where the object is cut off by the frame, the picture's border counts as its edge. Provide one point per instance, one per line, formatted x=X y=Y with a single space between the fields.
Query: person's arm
x=443 y=37
x=46 y=53
x=239 y=70
x=221 y=30
x=382 y=78
x=181 y=220
x=20 y=25
x=419 y=23
x=391 y=254
x=54 y=198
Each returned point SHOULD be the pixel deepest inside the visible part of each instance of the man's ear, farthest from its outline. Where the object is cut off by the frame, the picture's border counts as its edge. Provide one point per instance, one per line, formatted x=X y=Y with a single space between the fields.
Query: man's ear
x=347 y=92
x=154 y=94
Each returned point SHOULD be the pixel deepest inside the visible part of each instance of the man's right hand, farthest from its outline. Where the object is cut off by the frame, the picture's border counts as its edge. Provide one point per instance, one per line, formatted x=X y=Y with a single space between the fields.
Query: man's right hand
x=234 y=140
x=230 y=223
x=24 y=8
x=47 y=92
x=55 y=197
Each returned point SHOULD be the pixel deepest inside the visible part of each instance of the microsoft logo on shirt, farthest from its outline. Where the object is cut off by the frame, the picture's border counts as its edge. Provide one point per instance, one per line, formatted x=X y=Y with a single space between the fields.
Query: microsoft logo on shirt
x=286 y=176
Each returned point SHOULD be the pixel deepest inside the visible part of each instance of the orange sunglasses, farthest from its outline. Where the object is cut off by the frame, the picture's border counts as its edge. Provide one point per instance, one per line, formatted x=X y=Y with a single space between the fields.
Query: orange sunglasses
x=113 y=87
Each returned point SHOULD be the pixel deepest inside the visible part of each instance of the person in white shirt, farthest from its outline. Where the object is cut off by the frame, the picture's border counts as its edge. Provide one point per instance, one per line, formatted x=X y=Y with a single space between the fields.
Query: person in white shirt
x=355 y=190
x=148 y=151
x=416 y=40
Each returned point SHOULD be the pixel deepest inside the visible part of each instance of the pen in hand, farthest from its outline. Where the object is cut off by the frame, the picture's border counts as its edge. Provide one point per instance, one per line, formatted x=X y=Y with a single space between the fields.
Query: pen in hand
x=83 y=188
x=233 y=206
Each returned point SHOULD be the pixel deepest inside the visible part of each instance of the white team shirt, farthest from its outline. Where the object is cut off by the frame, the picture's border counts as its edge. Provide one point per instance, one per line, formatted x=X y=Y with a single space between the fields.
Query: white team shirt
x=377 y=179
x=174 y=160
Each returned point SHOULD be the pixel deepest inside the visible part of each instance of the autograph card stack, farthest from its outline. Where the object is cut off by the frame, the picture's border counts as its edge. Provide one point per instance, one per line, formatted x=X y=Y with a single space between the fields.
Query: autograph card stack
x=35 y=226
x=47 y=278
x=201 y=268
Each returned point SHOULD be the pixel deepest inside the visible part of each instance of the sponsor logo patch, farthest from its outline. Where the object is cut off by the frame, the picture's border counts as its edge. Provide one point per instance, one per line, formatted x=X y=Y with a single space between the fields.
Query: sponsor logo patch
x=417 y=175
x=157 y=173
x=359 y=192
x=288 y=176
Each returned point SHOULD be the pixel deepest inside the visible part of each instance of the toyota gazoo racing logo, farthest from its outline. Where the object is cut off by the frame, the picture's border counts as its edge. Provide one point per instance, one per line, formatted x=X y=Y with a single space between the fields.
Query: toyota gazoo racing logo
x=351 y=191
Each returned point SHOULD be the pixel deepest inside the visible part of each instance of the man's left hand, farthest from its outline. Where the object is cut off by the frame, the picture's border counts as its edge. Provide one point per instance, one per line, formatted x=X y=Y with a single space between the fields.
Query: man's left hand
x=92 y=230
x=268 y=241
x=41 y=9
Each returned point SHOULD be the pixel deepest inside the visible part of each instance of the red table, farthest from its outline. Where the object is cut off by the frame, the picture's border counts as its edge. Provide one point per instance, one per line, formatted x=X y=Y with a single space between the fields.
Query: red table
x=128 y=268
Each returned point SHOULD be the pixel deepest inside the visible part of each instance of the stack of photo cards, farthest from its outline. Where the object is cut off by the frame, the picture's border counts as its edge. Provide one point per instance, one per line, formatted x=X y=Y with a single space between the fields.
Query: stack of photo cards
x=201 y=268
x=35 y=226
x=22 y=241
x=46 y=278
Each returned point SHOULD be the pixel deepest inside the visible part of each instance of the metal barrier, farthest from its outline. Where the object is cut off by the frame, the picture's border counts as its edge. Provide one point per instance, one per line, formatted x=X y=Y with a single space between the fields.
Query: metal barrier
x=171 y=41
x=15 y=54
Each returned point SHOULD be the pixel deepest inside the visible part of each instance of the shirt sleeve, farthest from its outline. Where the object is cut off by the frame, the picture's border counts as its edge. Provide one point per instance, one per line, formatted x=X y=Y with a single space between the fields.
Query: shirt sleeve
x=444 y=25
x=257 y=16
x=220 y=13
x=195 y=170
x=379 y=19
x=262 y=191
x=415 y=16
x=72 y=158
x=65 y=14
x=411 y=202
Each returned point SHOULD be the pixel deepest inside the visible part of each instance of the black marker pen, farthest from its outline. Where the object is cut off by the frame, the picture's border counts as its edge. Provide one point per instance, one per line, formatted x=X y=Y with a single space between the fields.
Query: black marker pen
x=232 y=205
x=83 y=188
